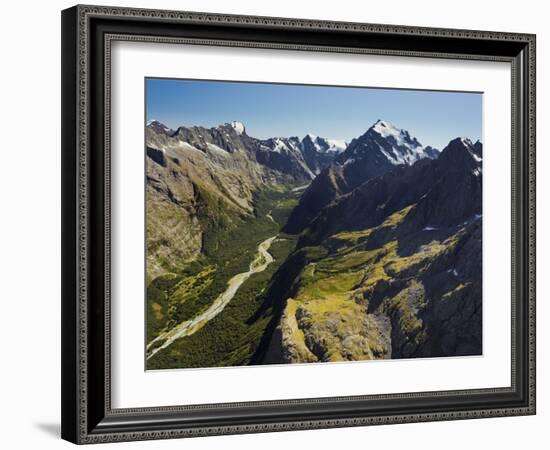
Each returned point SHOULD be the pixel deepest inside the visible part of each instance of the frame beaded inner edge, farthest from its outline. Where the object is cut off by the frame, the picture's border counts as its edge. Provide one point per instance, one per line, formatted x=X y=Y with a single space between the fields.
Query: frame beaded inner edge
x=84 y=14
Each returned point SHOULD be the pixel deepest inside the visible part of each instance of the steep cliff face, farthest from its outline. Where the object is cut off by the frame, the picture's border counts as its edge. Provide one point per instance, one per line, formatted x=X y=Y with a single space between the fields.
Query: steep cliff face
x=390 y=270
x=201 y=177
x=206 y=178
x=190 y=188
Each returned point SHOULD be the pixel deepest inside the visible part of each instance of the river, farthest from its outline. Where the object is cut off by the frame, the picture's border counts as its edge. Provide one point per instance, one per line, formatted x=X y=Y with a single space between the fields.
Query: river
x=260 y=262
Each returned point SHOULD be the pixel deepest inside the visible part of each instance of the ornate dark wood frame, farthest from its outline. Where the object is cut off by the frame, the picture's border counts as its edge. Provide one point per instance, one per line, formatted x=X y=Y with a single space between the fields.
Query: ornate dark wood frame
x=87 y=33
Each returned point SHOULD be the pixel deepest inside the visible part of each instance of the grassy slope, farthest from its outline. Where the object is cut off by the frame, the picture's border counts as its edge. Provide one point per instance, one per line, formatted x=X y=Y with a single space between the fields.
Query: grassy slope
x=327 y=315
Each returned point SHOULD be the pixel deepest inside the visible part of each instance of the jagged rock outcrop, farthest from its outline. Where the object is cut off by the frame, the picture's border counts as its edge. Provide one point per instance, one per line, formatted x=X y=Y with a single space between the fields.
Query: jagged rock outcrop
x=391 y=269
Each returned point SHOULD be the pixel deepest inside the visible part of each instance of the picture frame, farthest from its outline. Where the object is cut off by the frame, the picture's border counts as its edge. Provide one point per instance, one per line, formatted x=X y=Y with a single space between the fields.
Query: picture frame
x=87 y=35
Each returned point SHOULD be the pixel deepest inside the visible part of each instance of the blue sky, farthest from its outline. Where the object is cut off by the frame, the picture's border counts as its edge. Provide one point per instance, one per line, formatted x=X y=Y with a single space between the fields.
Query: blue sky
x=270 y=110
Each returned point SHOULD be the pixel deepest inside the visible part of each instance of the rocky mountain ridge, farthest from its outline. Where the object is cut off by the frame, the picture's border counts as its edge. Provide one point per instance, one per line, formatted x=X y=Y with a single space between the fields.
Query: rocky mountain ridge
x=379 y=150
x=198 y=177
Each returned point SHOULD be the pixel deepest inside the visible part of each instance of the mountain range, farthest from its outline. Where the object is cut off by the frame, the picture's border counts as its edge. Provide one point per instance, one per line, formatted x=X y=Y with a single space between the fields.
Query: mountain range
x=380 y=149
x=382 y=236
x=391 y=269
x=196 y=168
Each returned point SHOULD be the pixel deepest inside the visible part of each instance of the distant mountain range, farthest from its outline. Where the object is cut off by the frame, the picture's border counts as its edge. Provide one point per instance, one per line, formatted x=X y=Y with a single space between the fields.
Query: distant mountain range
x=388 y=256
x=302 y=157
x=382 y=147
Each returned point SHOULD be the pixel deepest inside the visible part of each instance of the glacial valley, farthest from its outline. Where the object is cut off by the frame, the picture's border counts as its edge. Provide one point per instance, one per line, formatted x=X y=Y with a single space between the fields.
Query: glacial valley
x=299 y=250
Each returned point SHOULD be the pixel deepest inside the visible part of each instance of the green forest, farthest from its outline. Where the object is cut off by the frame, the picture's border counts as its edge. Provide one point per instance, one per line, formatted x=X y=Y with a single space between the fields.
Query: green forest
x=232 y=337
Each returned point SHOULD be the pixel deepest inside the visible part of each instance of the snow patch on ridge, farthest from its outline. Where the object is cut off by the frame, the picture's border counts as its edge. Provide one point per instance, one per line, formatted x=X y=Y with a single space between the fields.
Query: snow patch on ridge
x=238 y=127
x=386 y=129
x=336 y=145
x=323 y=145
x=158 y=124
x=477 y=158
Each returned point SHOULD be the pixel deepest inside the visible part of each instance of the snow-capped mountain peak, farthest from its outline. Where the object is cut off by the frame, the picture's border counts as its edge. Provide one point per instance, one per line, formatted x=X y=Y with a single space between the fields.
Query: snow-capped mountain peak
x=336 y=145
x=324 y=145
x=385 y=143
x=154 y=122
x=159 y=127
x=280 y=144
x=388 y=131
x=238 y=127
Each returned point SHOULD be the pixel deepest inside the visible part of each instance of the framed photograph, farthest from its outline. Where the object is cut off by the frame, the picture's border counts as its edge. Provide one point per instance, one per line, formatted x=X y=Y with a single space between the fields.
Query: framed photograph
x=280 y=224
